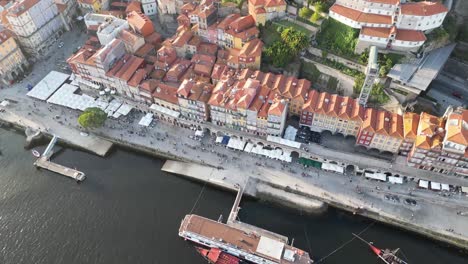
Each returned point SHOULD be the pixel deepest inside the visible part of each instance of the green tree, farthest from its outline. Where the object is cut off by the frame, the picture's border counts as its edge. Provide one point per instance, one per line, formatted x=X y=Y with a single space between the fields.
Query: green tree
x=92 y=117
x=305 y=12
x=319 y=7
x=279 y=53
x=296 y=40
x=358 y=83
x=315 y=17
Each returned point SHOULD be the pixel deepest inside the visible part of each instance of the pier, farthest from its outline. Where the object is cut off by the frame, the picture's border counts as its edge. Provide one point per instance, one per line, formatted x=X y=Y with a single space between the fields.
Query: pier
x=44 y=162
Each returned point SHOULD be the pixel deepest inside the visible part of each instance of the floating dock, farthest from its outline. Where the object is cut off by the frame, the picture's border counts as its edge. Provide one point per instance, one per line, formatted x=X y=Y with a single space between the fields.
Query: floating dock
x=44 y=162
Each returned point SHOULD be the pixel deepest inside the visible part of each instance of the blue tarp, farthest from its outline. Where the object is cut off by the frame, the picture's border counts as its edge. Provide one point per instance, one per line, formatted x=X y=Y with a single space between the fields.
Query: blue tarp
x=225 y=140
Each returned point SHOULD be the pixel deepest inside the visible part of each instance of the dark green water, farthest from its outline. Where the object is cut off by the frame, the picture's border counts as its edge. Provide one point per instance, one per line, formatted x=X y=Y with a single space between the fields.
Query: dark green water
x=128 y=211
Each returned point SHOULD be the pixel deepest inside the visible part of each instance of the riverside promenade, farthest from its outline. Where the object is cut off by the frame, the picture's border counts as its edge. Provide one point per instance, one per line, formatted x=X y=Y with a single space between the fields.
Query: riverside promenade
x=434 y=215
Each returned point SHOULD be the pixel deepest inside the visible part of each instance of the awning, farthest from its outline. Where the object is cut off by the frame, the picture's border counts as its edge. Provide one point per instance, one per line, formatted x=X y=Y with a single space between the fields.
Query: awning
x=393 y=179
x=376 y=176
x=219 y=139
x=445 y=187
x=199 y=133
x=236 y=144
x=282 y=141
x=435 y=186
x=249 y=147
x=225 y=140
x=464 y=189
x=332 y=167
x=309 y=162
x=423 y=184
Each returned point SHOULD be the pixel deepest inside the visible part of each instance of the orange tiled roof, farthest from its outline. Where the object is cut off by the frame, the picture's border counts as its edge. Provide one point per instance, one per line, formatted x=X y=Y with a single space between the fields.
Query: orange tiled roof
x=360 y=16
x=334 y=105
x=400 y=34
x=166 y=93
x=410 y=125
x=424 y=8
x=457 y=127
x=133 y=6
x=383 y=123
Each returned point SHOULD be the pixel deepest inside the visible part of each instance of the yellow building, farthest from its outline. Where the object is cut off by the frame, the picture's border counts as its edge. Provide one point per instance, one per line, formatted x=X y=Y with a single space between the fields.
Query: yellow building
x=13 y=63
x=265 y=10
x=90 y=5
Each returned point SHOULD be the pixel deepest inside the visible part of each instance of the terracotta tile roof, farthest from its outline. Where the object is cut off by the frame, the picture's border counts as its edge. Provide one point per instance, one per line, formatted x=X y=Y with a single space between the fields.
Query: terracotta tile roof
x=154 y=39
x=457 y=127
x=140 y=23
x=129 y=67
x=400 y=34
x=206 y=11
x=277 y=108
x=334 y=105
x=20 y=7
x=166 y=93
x=144 y=50
x=252 y=48
x=226 y=22
x=139 y=75
x=133 y=6
x=424 y=8
x=175 y=73
x=383 y=123
x=217 y=71
x=208 y=48
x=242 y=23
x=182 y=38
x=376 y=32
x=410 y=125
x=268 y=3
x=430 y=132
x=195 y=41
x=360 y=16
x=148 y=85
x=410 y=35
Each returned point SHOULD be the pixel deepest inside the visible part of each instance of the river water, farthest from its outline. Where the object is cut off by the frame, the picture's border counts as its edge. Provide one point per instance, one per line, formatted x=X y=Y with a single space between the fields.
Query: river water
x=129 y=211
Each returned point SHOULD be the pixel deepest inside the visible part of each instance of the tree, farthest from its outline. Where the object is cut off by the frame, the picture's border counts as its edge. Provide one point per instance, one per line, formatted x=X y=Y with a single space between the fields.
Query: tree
x=315 y=17
x=305 y=12
x=296 y=40
x=319 y=7
x=358 y=83
x=92 y=117
x=279 y=53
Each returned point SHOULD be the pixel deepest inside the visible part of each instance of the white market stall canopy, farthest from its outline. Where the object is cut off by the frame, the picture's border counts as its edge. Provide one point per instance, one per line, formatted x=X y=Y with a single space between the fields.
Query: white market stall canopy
x=445 y=187
x=423 y=184
x=376 y=176
x=65 y=96
x=282 y=141
x=146 y=120
x=165 y=111
x=332 y=167
x=435 y=186
x=47 y=86
x=248 y=148
x=464 y=189
x=393 y=179
x=235 y=143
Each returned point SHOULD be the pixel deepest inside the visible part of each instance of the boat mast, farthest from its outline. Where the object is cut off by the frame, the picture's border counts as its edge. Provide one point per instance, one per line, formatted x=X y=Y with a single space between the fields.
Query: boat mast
x=376 y=250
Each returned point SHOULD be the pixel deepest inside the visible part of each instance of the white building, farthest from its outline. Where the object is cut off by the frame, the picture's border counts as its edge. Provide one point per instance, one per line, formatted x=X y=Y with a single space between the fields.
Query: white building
x=167 y=7
x=149 y=7
x=389 y=24
x=109 y=27
x=37 y=24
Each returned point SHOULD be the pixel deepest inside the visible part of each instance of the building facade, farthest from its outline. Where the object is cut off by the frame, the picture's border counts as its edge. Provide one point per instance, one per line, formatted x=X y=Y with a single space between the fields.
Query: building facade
x=13 y=63
x=150 y=7
x=390 y=24
x=36 y=23
x=265 y=10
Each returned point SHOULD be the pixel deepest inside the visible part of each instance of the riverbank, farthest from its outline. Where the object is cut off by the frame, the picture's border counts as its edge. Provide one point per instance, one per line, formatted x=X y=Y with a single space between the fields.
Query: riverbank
x=430 y=217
